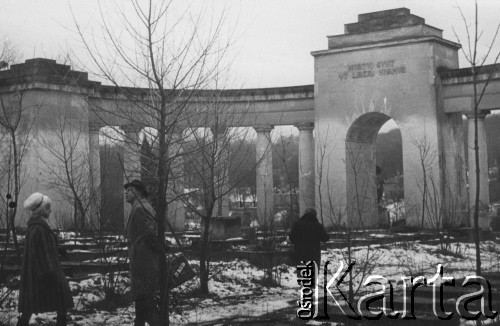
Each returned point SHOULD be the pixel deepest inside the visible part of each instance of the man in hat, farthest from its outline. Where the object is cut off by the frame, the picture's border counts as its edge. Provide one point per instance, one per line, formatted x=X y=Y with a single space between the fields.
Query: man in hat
x=144 y=253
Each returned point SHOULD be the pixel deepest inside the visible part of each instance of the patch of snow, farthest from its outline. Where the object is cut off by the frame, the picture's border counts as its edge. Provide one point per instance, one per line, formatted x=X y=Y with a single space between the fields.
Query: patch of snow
x=237 y=289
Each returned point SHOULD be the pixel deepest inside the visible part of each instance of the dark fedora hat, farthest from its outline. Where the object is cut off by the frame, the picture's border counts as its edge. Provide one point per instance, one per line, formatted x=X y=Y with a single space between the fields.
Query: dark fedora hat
x=137 y=184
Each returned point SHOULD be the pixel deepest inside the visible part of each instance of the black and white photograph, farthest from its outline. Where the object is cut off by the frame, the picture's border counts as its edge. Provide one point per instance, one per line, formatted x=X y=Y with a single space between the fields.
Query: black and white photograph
x=249 y=162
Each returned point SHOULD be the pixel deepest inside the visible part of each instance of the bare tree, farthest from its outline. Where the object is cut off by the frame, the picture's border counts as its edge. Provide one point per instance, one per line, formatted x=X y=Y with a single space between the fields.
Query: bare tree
x=360 y=203
x=359 y=198
x=427 y=158
x=441 y=213
x=69 y=168
x=328 y=206
x=168 y=53
x=17 y=117
x=288 y=161
x=348 y=223
x=477 y=63
x=9 y=53
x=209 y=164
x=15 y=128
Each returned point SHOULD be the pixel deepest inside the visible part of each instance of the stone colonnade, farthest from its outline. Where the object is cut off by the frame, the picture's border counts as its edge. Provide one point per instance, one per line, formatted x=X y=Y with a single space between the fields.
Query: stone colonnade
x=264 y=170
x=264 y=176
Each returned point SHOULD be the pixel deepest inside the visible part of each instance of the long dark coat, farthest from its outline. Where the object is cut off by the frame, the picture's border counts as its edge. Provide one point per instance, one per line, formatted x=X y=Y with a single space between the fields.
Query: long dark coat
x=43 y=284
x=144 y=258
x=306 y=235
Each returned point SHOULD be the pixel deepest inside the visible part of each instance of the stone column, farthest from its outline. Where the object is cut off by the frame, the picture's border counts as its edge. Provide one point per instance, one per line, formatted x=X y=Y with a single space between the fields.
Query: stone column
x=176 y=212
x=221 y=207
x=94 y=176
x=264 y=174
x=306 y=167
x=131 y=160
x=484 y=194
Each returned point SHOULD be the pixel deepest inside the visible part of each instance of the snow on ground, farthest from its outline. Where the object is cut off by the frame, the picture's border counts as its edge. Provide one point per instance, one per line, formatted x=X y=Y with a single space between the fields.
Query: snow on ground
x=238 y=290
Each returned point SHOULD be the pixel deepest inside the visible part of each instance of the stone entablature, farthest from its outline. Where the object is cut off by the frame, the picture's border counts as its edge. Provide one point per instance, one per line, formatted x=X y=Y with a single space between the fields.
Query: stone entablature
x=464 y=75
x=277 y=105
x=46 y=71
x=458 y=88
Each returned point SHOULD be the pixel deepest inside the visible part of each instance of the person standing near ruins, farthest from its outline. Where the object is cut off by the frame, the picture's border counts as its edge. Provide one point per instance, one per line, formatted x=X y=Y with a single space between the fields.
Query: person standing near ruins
x=144 y=251
x=43 y=286
x=306 y=236
x=380 y=186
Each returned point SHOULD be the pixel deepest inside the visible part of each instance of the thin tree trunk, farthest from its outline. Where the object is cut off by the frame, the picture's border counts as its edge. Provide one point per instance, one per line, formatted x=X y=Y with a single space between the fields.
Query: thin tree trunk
x=476 y=151
x=477 y=175
x=17 y=166
x=204 y=253
x=161 y=214
x=424 y=195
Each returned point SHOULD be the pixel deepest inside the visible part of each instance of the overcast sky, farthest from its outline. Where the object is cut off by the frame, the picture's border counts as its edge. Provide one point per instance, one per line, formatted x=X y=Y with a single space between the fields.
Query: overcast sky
x=274 y=37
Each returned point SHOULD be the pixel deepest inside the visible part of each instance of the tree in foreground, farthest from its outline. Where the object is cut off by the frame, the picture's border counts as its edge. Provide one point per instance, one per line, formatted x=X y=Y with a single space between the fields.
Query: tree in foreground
x=478 y=68
x=17 y=118
x=208 y=162
x=69 y=168
x=170 y=53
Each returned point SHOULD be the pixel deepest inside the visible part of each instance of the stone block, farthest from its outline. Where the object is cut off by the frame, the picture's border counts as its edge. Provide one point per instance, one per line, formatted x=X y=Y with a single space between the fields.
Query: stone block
x=224 y=227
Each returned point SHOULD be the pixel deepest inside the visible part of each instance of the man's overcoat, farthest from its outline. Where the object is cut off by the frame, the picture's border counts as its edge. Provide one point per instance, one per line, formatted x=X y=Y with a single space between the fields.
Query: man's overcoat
x=43 y=284
x=306 y=235
x=144 y=258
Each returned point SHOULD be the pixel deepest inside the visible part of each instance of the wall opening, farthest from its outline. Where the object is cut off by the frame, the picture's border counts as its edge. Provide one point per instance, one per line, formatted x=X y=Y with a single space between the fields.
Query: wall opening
x=374 y=172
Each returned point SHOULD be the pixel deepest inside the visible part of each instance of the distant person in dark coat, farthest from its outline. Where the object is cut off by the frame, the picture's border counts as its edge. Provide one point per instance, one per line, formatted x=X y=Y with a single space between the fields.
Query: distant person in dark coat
x=143 y=253
x=306 y=236
x=43 y=285
x=380 y=185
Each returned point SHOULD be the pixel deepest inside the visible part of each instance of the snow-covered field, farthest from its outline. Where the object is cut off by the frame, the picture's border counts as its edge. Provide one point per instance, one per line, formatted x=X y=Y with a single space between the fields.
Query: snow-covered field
x=238 y=290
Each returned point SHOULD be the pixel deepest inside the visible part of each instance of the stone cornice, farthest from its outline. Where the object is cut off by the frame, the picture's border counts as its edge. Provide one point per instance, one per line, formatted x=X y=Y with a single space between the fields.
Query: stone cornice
x=46 y=74
x=465 y=75
x=392 y=43
x=241 y=95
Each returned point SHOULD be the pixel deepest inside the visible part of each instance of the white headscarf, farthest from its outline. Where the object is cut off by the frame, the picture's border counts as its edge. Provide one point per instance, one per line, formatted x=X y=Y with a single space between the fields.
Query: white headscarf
x=36 y=201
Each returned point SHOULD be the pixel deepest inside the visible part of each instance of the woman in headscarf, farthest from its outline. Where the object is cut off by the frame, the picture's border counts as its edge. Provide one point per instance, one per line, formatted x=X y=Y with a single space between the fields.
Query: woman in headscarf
x=43 y=287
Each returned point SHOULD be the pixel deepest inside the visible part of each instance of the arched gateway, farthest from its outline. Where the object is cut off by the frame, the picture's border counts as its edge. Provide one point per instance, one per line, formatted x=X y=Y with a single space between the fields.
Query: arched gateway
x=388 y=65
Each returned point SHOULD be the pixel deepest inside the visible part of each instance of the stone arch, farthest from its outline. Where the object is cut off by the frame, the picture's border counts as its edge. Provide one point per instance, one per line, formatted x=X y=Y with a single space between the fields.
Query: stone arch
x=361 y=166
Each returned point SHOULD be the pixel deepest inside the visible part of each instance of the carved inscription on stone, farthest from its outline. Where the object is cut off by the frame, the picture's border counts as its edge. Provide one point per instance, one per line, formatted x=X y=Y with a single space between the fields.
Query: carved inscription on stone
x=372 y=69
